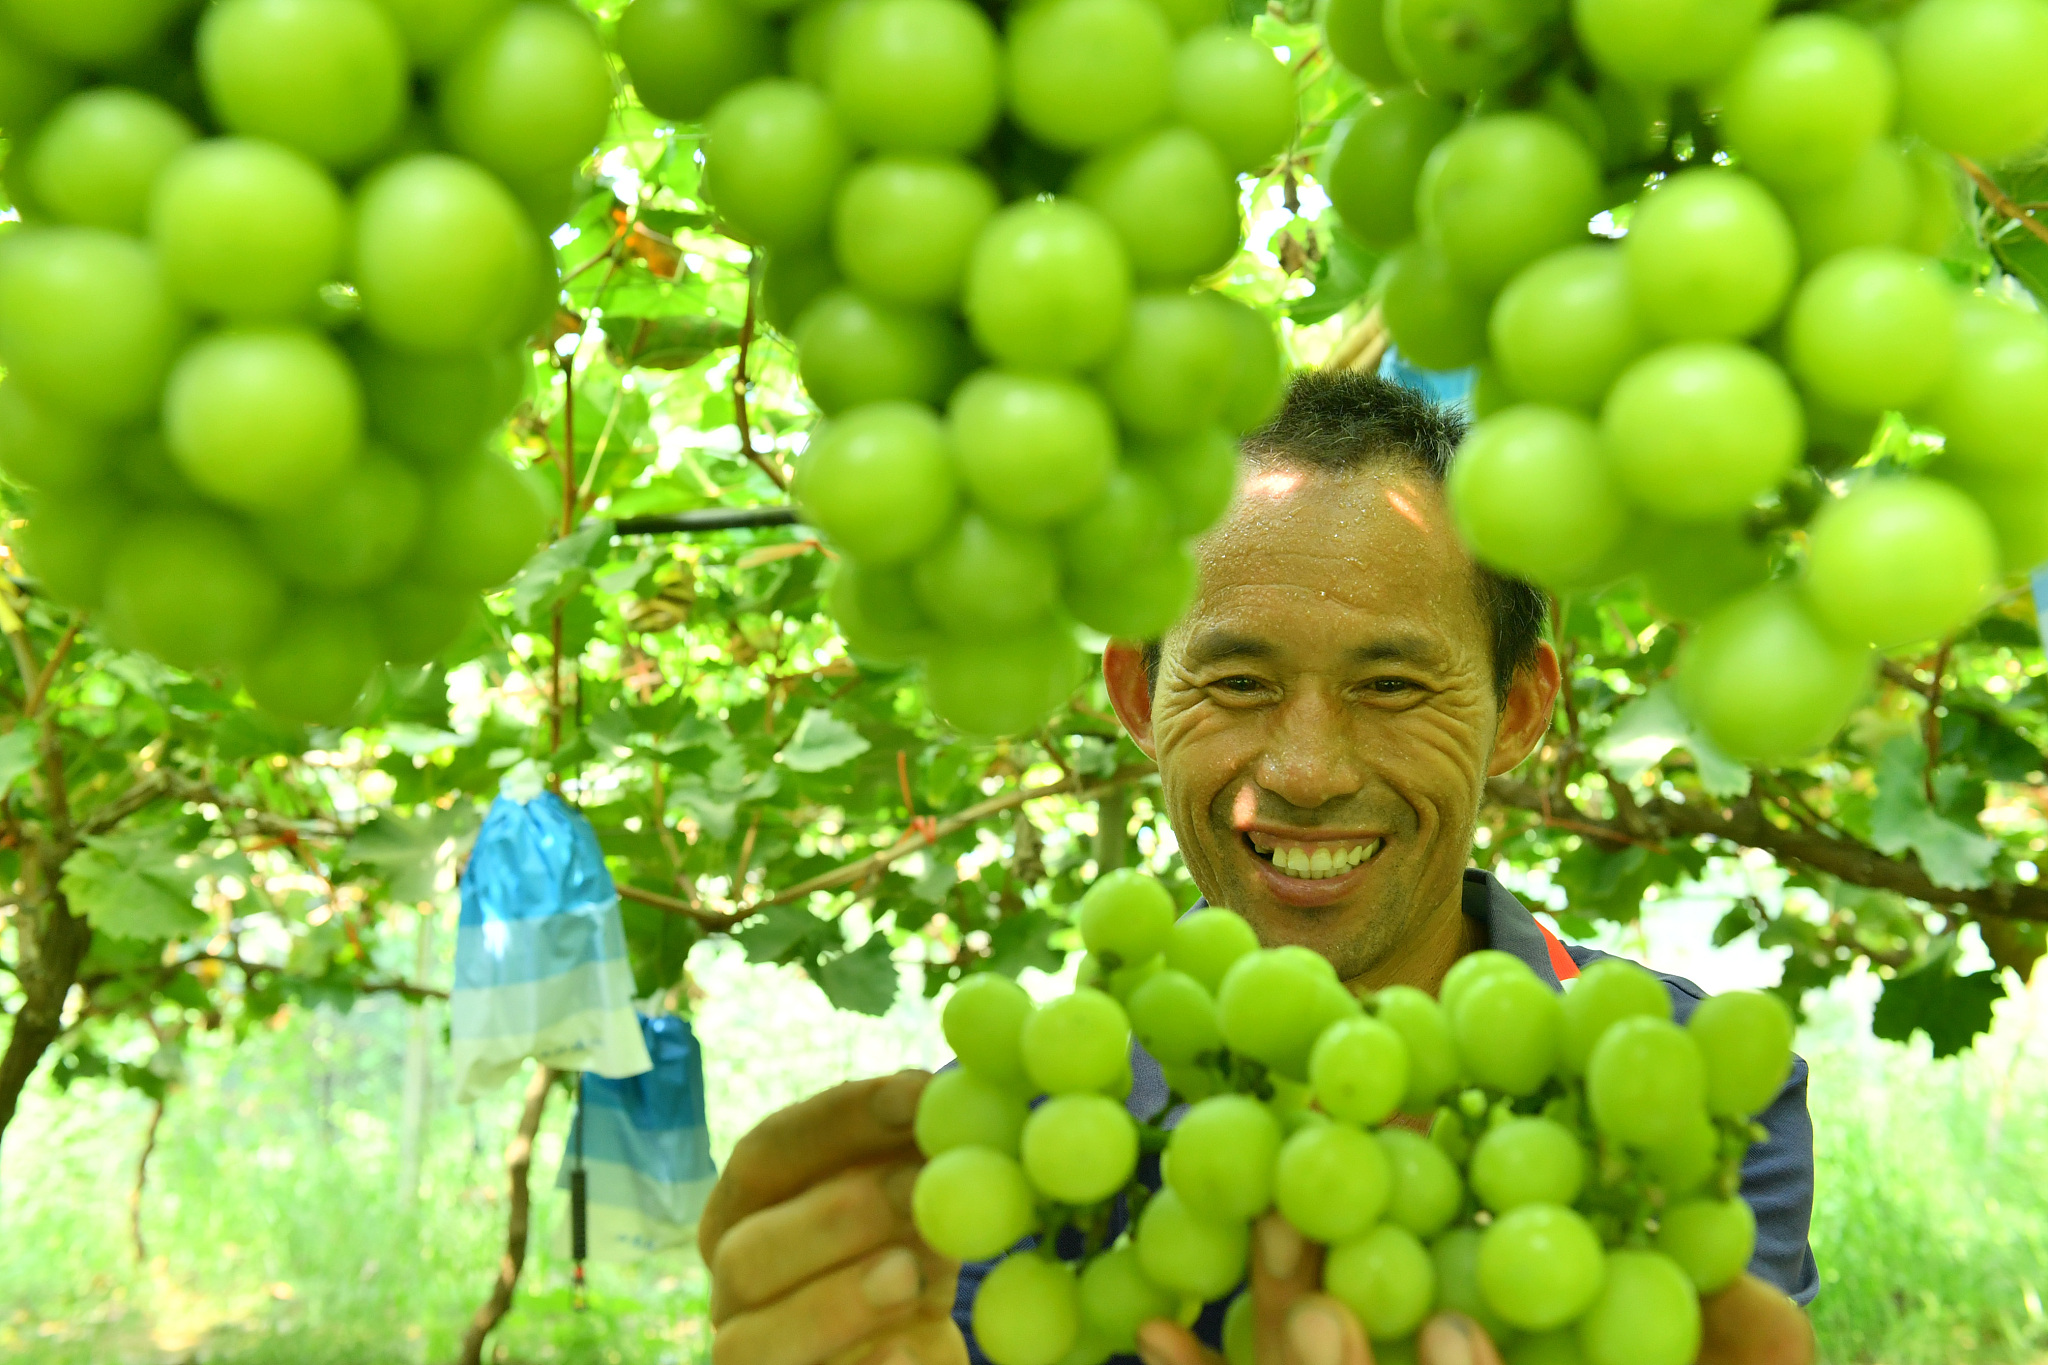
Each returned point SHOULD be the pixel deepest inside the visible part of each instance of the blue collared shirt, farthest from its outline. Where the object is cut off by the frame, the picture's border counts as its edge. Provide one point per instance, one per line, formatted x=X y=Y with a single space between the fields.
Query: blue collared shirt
x=1777 y=1175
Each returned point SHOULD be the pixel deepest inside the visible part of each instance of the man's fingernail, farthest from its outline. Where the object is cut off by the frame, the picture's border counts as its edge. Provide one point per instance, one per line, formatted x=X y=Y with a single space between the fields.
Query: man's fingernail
x=894 y=1104
x=897 y=1186
x=1314 y=1336
x=1279 y=1247
x=893 y=1280
x=1447 y=1340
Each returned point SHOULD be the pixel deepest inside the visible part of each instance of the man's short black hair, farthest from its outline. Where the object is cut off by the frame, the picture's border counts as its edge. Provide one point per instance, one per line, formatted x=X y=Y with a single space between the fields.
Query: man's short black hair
x=1345 y=423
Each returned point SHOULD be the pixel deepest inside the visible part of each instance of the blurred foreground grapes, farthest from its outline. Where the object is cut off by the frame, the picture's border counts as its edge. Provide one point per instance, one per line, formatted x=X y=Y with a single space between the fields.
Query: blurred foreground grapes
x=265 y=310
x=1577 y=1192
x=1717 y=401
x=992 y=251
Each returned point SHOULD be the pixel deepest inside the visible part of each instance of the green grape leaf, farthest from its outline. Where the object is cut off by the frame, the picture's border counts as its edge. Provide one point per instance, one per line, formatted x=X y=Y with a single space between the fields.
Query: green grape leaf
x=1649 y=728
x=1019 y=941
x=1950 y=1009
x=560 y=569
x=668 y=343
x=1342 y=276
x=17 y=755
x=822 y=742
x=136 y=883
x=863 y=980
x=783 y=931
x=410 y=852
x=1902 y=820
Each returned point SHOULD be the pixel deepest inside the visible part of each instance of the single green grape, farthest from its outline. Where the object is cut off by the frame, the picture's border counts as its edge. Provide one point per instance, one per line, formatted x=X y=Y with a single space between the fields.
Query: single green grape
x=1240 y=1332
x=213 y=222
x=960 y=1108
x=1028 y=1311
x=44 y=450
x=1331 y=1181
x=1198 y=475
x=1426 y=1036
x=1168 y=376
x=1745 y=1038
x=1386 y=1277
x=436 y=30
x=773 y=155
x=1697 y=432
x=1469 y=970
x=1129 y=523
x=436 y=409
x=1502 y=191
x=1691 y=570
x=1084 y=73
x=531 y=94
x=1710 y=1239
x=1648 y=1313
x=1127 y=915
x=879 y=481
x=1358 y=1069
x=1117 y=1299
x=1031 y=449
x=983 y=1021
x=1710 y=256
x=1507 y=1030
x=1223 y=1151
x=1527 y=1161
x=314 y=669
x=1765 y=682
x=1232 y=89
x=484 y=521
x=69 y=536
x=258 y=418
x=1807 y=100
x=1900 y=560
x=1174 y=1018
x=1273 y=1005
x=1457 y=47
x=1969 y=75
x=1435 y=320
x=1876 y=204
x=853 y=351
x=1172 y=201
x=416 y=295
x=1079 y=1149
x=1607 y=992
x=902 y=227
x=1077 y=1043
x=99 y=155
x=1540 y=1266
x=983 y=579
x=971 y=1203
x=356 y=533
x=1182 y=1251
x=1565 y=328
x=86 y=326
x=1207 y=942
x=1426 y=1190
x=1048 y=285
x=1374 y=160
x=103 y=33
x=684 y=55
x=1645 y=1082
x=1456 y=1256
x=1872 y=330
x=324 y=77
x=1259 y=369
x=1154 y=594
x=1009 y=686
x=1356 y=34
x=189 y=588
x=1531 y=495
x=1992 y=405
x=915 y=75
x=1658 y=43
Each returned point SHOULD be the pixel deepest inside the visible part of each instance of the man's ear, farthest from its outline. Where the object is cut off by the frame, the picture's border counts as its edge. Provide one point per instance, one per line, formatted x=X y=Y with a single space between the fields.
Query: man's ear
x=1130 y=691
x=1525 y=715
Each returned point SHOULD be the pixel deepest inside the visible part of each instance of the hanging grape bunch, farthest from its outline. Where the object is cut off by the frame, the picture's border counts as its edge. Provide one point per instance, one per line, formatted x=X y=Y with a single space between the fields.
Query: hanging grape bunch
x=264 y=312
x=983 y=245
x=1686 y=404
x=1576 y=1194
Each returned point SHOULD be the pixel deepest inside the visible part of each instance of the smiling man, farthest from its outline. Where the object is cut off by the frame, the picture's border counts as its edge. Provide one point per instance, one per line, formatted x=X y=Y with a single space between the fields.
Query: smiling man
x=1325 y=719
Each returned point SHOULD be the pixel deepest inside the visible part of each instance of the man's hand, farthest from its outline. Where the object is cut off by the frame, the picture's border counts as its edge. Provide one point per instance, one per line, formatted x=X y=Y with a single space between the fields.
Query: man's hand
x=1749 y=1323
x=808 y=1236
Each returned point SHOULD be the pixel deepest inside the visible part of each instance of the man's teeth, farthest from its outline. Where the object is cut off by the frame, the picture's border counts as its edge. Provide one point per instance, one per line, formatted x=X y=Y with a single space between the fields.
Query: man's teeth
x=1325 y=861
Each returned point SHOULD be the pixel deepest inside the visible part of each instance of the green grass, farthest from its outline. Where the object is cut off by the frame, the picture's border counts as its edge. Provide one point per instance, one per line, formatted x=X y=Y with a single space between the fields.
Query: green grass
x=276 y=1235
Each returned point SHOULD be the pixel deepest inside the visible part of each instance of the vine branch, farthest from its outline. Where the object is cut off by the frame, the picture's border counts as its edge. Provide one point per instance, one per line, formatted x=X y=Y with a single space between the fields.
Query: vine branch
x=2000 y=200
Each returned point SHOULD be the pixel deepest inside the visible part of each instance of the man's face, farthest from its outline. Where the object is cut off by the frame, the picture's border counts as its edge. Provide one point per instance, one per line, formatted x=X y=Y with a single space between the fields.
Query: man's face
x=1325 y=719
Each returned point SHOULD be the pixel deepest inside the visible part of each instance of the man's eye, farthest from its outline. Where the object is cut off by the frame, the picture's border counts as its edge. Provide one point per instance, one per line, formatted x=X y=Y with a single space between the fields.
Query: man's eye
x=1391 y=687
x=1239 y=683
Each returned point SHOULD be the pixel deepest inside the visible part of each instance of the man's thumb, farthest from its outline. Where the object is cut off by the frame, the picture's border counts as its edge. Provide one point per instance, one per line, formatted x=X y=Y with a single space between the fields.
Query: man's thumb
x=1454 y=1339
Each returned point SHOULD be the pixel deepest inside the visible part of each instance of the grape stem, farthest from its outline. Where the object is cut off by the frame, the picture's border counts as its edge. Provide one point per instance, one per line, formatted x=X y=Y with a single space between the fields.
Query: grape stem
x=1998 y=199
x=741 y=383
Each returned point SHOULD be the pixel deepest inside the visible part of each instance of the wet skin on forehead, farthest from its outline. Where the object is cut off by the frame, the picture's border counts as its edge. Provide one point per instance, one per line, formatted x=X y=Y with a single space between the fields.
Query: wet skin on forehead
x=1333 y=678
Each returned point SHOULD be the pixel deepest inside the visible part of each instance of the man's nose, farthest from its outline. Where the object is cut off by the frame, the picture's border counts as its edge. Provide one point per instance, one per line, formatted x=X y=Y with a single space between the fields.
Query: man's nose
x=1309 y=761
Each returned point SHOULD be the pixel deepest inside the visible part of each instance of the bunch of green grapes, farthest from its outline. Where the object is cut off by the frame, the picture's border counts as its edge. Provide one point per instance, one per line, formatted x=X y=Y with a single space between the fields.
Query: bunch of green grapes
x=268 y=302
x=1675 y=404
x=990 y=248
x=1576 y=1194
